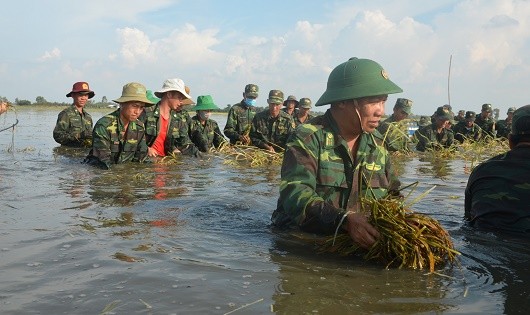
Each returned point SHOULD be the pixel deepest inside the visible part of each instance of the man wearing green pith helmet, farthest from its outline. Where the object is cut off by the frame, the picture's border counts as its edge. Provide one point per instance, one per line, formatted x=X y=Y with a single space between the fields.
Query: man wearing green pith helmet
x=339 y=157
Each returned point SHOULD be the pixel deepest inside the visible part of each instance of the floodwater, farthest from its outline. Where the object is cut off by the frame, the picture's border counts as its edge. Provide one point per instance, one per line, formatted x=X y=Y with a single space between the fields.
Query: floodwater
x=194 y=237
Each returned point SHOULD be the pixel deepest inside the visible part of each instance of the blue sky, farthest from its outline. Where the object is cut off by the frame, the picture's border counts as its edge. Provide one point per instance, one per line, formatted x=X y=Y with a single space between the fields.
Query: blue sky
x=217 y=47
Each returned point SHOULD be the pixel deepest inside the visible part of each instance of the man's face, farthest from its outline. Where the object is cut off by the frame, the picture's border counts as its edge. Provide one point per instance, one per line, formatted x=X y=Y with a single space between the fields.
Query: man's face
x=371 y=109
x=442 y=123
x=469 y=123
x=485 y=114
x=130 y=111
x=80 y=99
x=400 y=114
x=290 y=105
x=274 y=109
x=175 y=99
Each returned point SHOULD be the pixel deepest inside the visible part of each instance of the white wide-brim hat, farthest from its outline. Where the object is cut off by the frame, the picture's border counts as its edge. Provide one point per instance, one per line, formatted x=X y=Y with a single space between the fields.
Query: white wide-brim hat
x=173 y=85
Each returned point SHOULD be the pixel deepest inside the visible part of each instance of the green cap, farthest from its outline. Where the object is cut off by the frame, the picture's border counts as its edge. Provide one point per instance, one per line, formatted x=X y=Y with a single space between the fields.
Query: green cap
x=134 y=92
x=291 y=98
x=405 y=105
x=486 y=107
x=511 y=110
x=305 y=102
x=357 y=78
x=521 y=121
x=205 y=102
x=152 y=97
x=443 y=114
x=275 y=97
x=252 y=90
x=470 y=115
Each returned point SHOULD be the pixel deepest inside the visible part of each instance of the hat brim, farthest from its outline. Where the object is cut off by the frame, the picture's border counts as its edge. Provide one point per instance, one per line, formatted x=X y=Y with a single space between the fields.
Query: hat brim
x=161 y=92
x=208 y=106
x=124 y=99
x=90 y=93
x=369 y=89
x=296 y=103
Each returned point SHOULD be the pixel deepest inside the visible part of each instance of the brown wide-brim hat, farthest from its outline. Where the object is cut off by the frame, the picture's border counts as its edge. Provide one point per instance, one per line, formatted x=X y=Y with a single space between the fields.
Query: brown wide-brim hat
x=82 y=88
x=187 y=101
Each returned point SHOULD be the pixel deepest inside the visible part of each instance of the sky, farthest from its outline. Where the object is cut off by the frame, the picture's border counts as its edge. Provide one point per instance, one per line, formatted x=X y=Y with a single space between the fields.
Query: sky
x=459 y=52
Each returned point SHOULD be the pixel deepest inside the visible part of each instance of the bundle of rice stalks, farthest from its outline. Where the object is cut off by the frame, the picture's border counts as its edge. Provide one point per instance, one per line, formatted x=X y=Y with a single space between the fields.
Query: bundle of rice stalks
x=407 y=239
x=478 y=151
x=250 y=155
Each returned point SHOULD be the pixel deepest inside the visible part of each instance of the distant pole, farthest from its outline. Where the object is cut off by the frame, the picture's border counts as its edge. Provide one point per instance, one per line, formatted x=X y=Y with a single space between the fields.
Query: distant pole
x=449 y=80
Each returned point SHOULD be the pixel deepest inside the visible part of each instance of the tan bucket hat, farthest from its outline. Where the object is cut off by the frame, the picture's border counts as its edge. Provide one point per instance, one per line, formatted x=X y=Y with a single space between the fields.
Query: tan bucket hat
x=134 y=92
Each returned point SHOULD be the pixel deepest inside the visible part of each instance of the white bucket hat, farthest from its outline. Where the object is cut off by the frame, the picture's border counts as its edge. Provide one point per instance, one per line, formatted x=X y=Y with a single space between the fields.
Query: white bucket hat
x=173 y=85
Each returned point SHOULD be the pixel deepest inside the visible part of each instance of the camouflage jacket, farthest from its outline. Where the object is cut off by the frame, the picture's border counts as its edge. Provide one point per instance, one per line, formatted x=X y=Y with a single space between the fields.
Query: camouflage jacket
x=395 y=134
x=177 y=136
x=429 y=139
x=319 y=179
x=238 y=121
x=497 y=195
x=207 y=135
x=298 y=122
x=73 y=129
x=504 y=128
x=462 y=132
x=266 y=130
x=114 y=145
x=487 y=125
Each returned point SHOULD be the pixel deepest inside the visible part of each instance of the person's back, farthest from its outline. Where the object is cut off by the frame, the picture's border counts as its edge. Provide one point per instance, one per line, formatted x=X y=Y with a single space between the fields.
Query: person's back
x=498 y=191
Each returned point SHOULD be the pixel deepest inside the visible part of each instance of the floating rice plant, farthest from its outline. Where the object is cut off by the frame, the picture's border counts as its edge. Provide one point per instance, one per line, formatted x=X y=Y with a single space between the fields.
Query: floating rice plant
x=407 y=239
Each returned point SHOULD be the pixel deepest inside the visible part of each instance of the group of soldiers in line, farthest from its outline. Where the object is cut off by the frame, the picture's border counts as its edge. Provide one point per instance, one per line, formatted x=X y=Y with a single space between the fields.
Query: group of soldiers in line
x=151 y=125
x=443 y=127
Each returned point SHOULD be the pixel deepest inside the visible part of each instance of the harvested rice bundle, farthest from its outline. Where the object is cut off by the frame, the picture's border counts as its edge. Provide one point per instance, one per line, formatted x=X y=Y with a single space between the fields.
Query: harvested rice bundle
x=254 y=156
x=407 y=239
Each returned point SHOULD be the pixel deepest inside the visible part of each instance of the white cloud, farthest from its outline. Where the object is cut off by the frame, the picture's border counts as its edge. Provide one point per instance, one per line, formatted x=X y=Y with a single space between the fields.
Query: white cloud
x=135 y=46
x=55 y=53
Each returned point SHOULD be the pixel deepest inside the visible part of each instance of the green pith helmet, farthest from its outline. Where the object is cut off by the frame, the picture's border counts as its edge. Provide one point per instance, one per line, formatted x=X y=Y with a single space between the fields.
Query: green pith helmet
x=357 y=78
x=205 y=102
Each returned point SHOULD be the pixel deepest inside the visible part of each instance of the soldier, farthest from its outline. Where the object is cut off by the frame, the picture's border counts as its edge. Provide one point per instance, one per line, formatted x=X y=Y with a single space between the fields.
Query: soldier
x=461 y=116
x=393 y=129
x=237 y=127
x=204 y=131
x=119 y=136
x=504 y=126
x=167 y=123
x=74 y=124
x=467 y=129
x=329 y=161
x=290 y=105
x=271 y=128
x=436 y=135
x=485 y=121
x=496 y=195
x=303 y=115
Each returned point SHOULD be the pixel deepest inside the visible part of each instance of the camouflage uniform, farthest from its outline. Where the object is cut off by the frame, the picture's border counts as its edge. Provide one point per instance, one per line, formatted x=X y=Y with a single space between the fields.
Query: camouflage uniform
x=238 y=121
x=498 y=191
x=207 y=135
x=298 y=122
x=462 y=132
x=109 y=145
x=178 y=130
x=429 y=139
x=397 y=138
x=72 y=128
x=486 y=124
x=320 y=179
x=266 y=129
x=504 y=126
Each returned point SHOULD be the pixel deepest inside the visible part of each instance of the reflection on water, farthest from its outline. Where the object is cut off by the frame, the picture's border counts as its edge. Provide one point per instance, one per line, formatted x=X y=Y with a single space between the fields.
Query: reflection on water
x=194 y=237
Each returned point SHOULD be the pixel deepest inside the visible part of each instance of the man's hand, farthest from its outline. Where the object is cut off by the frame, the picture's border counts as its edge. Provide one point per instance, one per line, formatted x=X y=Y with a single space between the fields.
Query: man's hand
x=360 y=230
x=245 y=139
x=151 y=152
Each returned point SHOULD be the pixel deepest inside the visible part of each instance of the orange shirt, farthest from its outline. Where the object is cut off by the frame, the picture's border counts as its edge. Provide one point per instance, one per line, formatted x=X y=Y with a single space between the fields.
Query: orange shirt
x=158 y=145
